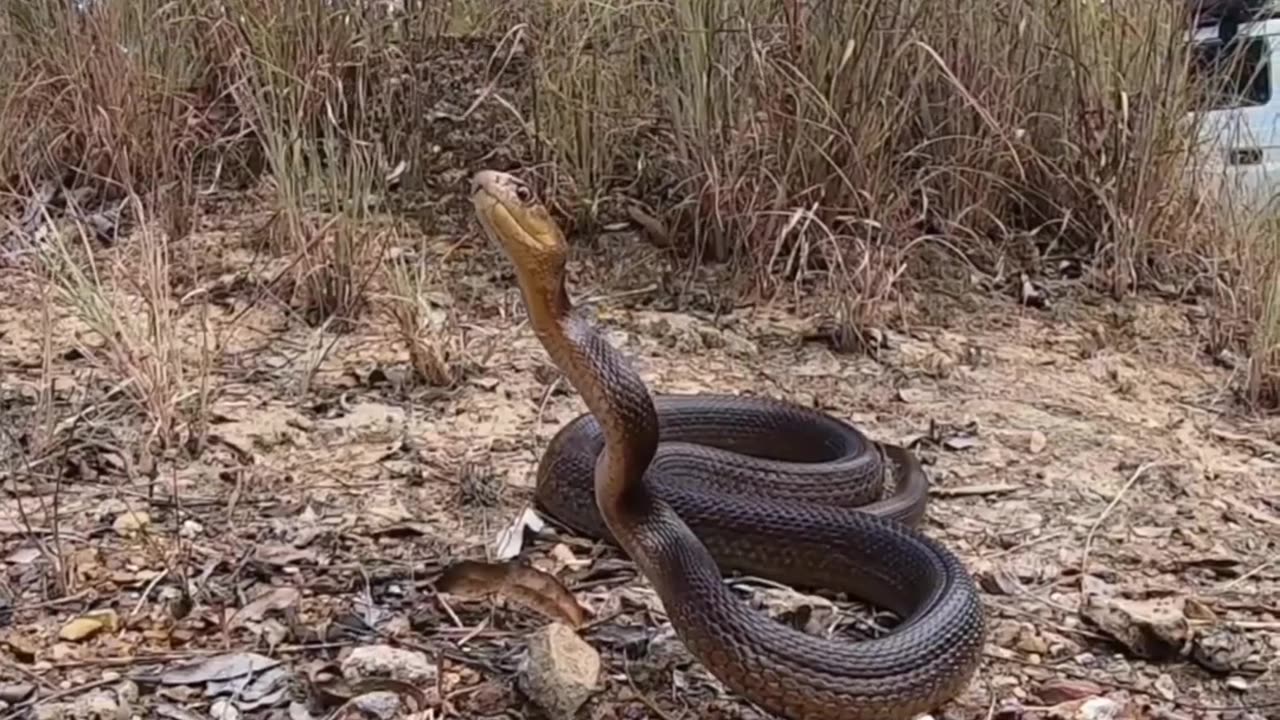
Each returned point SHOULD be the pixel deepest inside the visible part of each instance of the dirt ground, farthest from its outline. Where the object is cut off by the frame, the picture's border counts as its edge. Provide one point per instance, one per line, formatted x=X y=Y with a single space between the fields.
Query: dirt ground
x=1087 y=452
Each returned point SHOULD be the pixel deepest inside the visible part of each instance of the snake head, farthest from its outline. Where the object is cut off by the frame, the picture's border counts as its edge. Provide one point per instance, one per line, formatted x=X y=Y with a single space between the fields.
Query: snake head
x=514 y=217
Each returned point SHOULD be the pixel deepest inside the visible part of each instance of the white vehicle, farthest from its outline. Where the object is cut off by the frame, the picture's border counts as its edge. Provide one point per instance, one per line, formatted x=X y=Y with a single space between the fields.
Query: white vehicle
x=1242 y=126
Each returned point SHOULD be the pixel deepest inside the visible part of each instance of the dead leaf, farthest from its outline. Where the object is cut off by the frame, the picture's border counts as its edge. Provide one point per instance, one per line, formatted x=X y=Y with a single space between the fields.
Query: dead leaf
x=173 y=712
x=268 y=689
x=1197 y=610
x=814 y=614
x=960 y=442
x=219 y=667
x=914 y=395
x=511 y=540
x=281 y=598
x=404 y=529
x=259 y=427
x=390 y=513
x=15 y=693
x=998 y=580
x=281 y=555
x=562 y=557
x=536 y=590
x=23 y=648
x=1057 y=691
x=23 y=556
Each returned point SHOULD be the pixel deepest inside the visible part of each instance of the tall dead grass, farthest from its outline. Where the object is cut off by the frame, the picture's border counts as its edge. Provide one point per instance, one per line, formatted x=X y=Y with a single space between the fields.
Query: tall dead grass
x=912 y=115
x=817 y=146
x=814 y=142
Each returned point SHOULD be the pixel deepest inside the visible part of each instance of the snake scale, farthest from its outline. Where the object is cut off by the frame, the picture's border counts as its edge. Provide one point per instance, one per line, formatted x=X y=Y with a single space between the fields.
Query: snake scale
x=692 y=485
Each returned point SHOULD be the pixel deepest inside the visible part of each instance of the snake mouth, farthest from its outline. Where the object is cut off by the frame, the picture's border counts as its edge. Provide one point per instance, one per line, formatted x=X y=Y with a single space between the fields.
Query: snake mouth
x=488 y=206
x=496 y=197
x=513 y=217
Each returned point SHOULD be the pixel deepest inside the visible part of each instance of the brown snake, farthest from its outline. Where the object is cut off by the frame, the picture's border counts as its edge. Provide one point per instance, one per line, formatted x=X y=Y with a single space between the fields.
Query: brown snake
x=688 y=484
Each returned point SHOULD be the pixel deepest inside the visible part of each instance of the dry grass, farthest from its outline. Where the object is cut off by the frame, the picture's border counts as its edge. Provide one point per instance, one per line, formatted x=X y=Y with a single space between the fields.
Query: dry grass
x=133 y=321
x=425 y=322
x=828 y=146
x=821 y=146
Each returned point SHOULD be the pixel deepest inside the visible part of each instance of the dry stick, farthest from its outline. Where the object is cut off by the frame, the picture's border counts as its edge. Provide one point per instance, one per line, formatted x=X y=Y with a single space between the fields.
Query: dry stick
x=1236 y=581
x=644 y=698
x=1093 y=529
x=127 y=660
x=449 y=610
x=44 y=604
x=1024 y=545
x=146 y=592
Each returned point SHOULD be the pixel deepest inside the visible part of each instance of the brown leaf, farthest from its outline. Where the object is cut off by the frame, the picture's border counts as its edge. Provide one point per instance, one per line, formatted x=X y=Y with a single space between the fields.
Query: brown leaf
x=1054 y=692
x=535 y=589
x=329 y=688
x=281 y=598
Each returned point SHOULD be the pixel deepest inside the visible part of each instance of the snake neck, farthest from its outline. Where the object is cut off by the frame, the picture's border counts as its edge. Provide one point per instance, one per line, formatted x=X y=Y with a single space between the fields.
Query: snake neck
x=613 y=392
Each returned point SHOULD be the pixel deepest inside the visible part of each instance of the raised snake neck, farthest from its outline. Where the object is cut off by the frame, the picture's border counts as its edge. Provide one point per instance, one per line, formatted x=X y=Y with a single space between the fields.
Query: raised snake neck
x=682 y=509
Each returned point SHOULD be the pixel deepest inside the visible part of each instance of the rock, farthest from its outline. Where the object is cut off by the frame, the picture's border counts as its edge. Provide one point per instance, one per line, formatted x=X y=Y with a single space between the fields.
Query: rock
x=1151 y=629
x=388 y=662
x=1060 y=645
x=1225 y=650
x=1029 y=641
x=1036 y=442
x=88 y=625
x=131 y=522
x=1099 y=708
x=561 y=670
x=384 y=705
x=915 y=395
x=223 y=709
x=1096 y=708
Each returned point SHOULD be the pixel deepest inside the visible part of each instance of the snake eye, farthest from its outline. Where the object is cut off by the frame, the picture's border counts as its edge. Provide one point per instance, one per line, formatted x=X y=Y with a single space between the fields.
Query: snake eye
x=523 y=193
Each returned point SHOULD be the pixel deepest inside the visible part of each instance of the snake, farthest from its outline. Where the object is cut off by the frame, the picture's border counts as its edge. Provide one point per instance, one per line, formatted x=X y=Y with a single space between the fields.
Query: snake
x=691 y=486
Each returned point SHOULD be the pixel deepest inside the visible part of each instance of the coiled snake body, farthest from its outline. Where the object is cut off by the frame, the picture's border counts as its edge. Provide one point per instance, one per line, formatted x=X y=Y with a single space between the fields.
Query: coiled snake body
x=689 y=484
